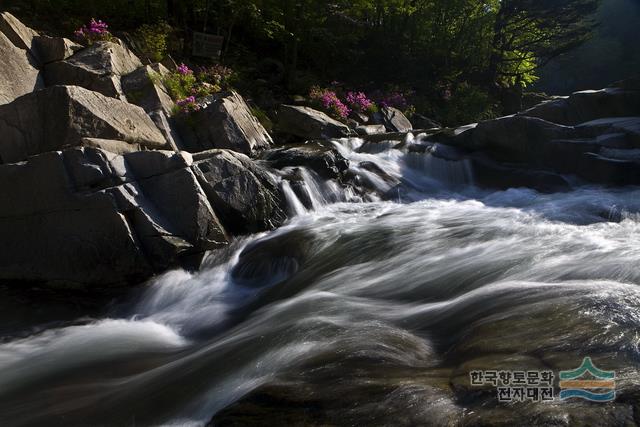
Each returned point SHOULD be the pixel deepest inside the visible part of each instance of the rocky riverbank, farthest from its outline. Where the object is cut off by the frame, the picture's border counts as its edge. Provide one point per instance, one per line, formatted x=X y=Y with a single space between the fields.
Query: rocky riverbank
x=102 y=188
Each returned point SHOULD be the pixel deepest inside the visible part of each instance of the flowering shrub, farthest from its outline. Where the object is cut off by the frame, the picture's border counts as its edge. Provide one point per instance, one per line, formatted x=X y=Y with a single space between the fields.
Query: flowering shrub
x=189 y=89
x=184 y=70
x=217 y=75
x=180 y=83
x=94 y=32
x=359 y=102
x=188 y=105
x=395 y=100
x=328 y=101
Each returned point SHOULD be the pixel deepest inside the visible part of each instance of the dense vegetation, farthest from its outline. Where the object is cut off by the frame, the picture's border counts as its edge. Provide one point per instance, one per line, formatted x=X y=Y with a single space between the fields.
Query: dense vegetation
x=457 y=60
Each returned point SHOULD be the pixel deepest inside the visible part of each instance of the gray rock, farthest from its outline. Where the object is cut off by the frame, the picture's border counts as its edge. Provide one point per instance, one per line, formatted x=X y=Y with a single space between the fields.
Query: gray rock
x=20 y=35
x=601 y=151
x=144 y=88
x=370 y=130
x=227 y=122
x=517 y=138
x=360 y=118
x=111 y=145
x=62 y=116
x=307 y=123
x=318 y=156
x=52 y=49
x=394 y=120
x=87 y=217
x=97 y=67
x=245 y=196
x=586 y=106
x=18 y=73
x=418 y=121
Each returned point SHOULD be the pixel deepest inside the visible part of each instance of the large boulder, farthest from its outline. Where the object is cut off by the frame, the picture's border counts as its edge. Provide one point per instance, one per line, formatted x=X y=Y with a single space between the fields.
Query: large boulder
x=144 y=88
x=62 y=116
x=517 y=138
x=97 y=67
x=418 y=121
x=307 y=123
x=320 y=157
x=52 y=49
x=19 y=34
x=18 y=72
x=585 y=106
x=226 y=122
x=603 y=151
x=87 y=217
x=244 y=195
x=394 y=120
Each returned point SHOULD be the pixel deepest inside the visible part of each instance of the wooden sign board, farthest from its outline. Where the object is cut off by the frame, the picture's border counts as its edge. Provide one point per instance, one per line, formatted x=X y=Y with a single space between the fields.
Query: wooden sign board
x=207 y=45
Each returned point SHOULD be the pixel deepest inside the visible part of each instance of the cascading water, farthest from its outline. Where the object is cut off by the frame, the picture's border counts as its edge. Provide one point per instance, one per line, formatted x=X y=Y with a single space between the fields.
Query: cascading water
x=369 y=313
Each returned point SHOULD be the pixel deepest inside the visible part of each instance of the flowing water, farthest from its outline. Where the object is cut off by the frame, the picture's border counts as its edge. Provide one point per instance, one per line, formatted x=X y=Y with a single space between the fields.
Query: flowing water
x=360 y=311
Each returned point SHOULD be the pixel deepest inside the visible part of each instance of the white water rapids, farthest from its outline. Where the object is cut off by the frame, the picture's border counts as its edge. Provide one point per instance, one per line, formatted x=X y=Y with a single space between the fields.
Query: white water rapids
x=360 y=312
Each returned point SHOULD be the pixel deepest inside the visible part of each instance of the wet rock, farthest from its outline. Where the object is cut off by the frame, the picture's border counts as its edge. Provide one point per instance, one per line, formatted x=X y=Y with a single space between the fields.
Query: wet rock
x=62 y=116
x=418 y=121
x=320 y=157
x=87 y=217
x=580 y=107
x=360 y=118
x=244 y=195
x=307 y=123
x=517 y=138
x=18 y=72
x=490 y=174
x=227 y=122
x=370 y=130
x=98 y=67
x=394 y=120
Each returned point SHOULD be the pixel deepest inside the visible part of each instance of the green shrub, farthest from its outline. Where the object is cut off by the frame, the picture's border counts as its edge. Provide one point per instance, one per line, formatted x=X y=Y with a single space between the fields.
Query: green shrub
x=153 y=40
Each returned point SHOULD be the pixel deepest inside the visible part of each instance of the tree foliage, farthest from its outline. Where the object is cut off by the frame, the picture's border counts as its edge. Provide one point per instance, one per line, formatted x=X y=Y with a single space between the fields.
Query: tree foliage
x=437 y=48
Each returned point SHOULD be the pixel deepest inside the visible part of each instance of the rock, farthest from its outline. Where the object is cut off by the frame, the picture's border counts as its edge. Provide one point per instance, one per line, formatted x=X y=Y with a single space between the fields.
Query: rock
x=87 y=217
x=323 y=159
x=144 y=88
x=52 y=49
x=418 y=121
x=586 y=106
x=370 y=130
x=245 y=197
x=359 y=117
x=490 y=174
x=111 y=145
x=394 y=120
x=307 y=123
x=62 y=116
x=19 y=34
x=517 y=138
x=97 y=67
x=18 y=73
x=602 y=151
x=227 y=122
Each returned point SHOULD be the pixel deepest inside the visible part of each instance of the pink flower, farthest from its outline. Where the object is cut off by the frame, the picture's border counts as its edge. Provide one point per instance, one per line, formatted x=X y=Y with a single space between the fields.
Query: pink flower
x=95 y=31
x=358 y=101
x=188 y=104
x=184 y=70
